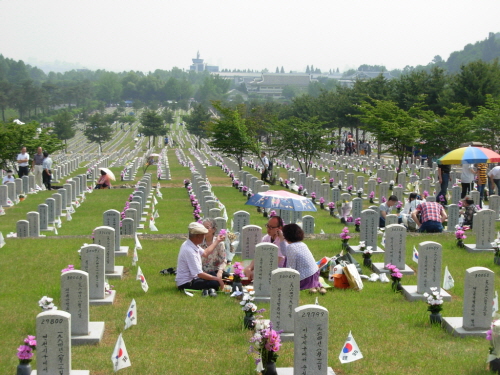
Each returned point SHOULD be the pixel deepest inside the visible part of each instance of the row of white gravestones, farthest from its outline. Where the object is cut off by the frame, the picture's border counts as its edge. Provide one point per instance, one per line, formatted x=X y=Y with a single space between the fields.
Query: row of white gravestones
x=93 y=258
x=368 y=231
x=111 y=218
x=429 y=273
x=75 y=300
x=105 y=236
x=484 y=229
x=53 y=332
x=395 y=250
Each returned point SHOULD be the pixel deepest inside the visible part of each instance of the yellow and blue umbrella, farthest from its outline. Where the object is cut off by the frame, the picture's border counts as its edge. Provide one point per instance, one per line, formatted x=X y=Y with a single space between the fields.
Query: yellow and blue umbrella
x=470 y=155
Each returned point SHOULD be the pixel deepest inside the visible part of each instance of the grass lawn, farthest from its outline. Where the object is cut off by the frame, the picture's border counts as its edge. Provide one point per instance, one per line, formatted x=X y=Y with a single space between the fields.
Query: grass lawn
x=177 y=334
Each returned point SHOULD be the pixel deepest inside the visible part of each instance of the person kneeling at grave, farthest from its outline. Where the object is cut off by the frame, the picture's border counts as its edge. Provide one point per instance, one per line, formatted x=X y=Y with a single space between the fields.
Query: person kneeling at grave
x=214 y=263
x=432 y=214
x=385 y=209
x=274 y=224
x=469 y=209
x=104 y=181
x=299 y=257
x=190 y=273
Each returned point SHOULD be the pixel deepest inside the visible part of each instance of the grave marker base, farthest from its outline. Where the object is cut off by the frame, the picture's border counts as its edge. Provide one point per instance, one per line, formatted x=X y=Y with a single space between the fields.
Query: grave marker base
x=117 y=274
x=107 y=300
x=49 y=229
x=379 y=268
x=143 y=219
x=455 y=327
x=73 y=372
x=96 y=331
x=262 y=299
x=355 y=250
x=123 y=251
x=410 y=293
x=290 y=371
x=471 y=248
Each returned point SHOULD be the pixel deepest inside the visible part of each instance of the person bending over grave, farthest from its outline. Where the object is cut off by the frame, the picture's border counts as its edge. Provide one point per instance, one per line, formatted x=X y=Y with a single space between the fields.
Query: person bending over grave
x=104 y=181
x=410 y=206
x=47 y=173
x=299 y=257
x=274 y=224
x=190 y=274
x=469 y=209
x=432 y=214
x=385 y=209
x=9 y=177
x=214 y=263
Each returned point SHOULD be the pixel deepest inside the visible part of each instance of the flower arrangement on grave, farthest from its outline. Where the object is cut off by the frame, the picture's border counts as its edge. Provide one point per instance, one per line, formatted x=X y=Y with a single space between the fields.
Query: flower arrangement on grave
x=272 y=213
x=21 y=197
x=244 y=189
x=25 y=353
x=331 y=206
x=349 y=219
x=235 y=183
x=186 y=182
x=396 y=277
x=360 y=192
x=300 y=189
x=107 y=288
x=46 y=303
x=305 y=192
x=357 y=223
x=322 y=203
x=313 y=197
x=371 y=196
x=238 y=275
x=391 y=185
x=379 y=180
x=493 y=335
x=332 y=180
x=250 y=310
x=496 y=247
x=344 y=236
x=323 y=180
x=250 y=195
x=460 y=236
x=367 y=255
x=340 y=185
x=434 y=305
x=130 y=197
x=281 y=181
x=266 y=344
x=287 y=184
x=399 y=205
x=349 y=189
x=425 y=194
x=400 y=185
x=383 y=199
x=69 y=268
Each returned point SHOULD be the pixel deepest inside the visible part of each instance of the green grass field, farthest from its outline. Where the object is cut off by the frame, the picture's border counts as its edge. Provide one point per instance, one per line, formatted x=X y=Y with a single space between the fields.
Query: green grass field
x=177 y=334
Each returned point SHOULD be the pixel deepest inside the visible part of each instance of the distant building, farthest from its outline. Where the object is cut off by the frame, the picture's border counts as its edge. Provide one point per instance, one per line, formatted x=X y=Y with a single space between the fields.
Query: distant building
x=363 y=76
x=199 y=66
x=272 y=84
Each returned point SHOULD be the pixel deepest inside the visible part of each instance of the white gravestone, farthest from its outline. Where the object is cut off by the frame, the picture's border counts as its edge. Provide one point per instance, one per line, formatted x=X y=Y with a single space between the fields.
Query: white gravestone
x=93 y=262
x=251 y=235
x=484 y=228
x=105 y=236
x=285 y=292
x=265 y=262
x=395 y=250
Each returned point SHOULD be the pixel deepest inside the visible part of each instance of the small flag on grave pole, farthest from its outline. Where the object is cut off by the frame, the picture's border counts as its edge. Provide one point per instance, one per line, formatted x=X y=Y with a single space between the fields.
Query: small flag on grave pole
x=137 y=243
x=120 y=356
x=156 y=215
x=152 y=226
x=2 y=240
x=55 y=230
x=495 y=304
x=131 y=318
x=154 y=200
x=140 y=276
x=448 y=281
x=68 y=216
x=350 y=352
x=415 y=255
x=135 y=258
x=2 y=211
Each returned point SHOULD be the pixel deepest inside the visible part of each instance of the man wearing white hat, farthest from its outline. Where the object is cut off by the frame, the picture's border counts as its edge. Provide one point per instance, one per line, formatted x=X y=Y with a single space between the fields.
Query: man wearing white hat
x=190 y=273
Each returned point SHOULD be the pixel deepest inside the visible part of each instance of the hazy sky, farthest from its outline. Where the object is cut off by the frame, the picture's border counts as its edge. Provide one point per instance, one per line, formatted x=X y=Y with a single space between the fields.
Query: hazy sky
x=160 y=34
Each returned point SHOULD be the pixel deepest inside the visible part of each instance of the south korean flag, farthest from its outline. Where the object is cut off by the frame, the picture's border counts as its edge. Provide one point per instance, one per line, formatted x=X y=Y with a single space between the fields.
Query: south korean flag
x=350 y=352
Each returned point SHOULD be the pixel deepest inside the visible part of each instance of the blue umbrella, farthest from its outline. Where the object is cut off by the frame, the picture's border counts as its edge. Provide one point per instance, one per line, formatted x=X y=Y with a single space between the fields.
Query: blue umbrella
x=281 y=200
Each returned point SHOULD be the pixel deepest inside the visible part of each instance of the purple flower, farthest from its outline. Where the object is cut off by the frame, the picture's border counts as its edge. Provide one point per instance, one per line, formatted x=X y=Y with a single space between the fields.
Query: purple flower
x=321 y=200
x=313 y=195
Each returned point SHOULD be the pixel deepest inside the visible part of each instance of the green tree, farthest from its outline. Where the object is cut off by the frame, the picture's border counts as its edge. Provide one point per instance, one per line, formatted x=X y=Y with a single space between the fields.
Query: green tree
x=109 y=88
x=303 y=139
x=152 y=125
x=98 y=131
x=167 y=115
x=395 y=128
x=230 y=134
x=487 y=121
x=197 y=120
x=64 y=126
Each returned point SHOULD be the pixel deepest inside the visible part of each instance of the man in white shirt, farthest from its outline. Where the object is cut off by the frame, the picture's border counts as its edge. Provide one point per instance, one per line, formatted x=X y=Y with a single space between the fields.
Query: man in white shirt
x=23 y=163
x=494 y=176
x=8 y=178
x=190 y=273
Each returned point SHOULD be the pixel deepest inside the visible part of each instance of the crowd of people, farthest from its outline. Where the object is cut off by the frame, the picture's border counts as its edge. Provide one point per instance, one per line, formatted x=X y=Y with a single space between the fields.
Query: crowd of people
x=41 y=167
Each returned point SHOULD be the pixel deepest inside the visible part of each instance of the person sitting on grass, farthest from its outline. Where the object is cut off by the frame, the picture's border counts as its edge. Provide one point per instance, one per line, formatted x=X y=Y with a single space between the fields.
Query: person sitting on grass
x=469 y=209
x=299 y=257
x=214 y=263
x=385 y=209
x=104 y=181
x=190 y=274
